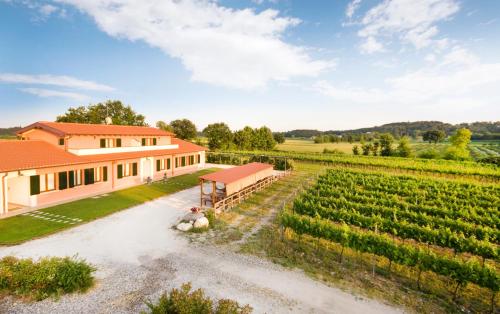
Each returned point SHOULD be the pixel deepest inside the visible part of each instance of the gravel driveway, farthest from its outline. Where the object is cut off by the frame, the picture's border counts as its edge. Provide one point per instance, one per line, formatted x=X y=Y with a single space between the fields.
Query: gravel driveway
x=138 y=256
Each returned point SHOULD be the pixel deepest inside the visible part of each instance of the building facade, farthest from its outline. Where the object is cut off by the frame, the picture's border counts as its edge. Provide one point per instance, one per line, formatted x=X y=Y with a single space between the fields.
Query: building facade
x=59 y=162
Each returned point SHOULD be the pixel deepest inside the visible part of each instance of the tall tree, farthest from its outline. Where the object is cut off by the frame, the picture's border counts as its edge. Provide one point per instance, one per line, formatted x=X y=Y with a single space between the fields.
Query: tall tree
x=459 y=145
x=404 y=148
x=97 y=113
x=433 y=136
x=162 y=125
x=279 y=137
x=263 y=139
x=386 y=140
x=219 y=136
x=243 y=139
x=184 y=129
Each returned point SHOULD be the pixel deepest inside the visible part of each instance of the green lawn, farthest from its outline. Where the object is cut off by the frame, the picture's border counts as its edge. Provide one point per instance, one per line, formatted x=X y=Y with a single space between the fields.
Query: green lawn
x=19 y=229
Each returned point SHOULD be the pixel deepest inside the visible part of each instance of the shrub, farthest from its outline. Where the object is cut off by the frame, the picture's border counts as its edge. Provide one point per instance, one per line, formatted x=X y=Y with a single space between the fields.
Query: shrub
x=185 y=301
x=333 y=151
x=45 y=277
x=429 y=154
x=210 y=215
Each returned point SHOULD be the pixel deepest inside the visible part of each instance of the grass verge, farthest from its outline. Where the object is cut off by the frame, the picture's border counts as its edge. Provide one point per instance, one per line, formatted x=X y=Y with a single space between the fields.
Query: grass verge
x=18 y=229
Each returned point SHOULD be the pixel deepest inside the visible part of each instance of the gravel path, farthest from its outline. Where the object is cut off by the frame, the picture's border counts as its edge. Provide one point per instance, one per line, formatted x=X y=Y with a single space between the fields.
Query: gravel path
x=139 y=255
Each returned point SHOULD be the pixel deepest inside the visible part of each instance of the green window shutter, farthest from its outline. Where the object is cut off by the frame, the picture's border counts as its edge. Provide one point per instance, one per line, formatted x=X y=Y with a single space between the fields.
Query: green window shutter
x=63 y=180
x=143 y=142
x=158 y=165
x=176 y=162
x=105 y=173
x=71 y=179
x=34 y=185
x=183 y=161
x=199 y=158
x=154 y=141
x=134 y=169
x=118 y=142
x=89 y=176
x=103 y=142
x=119 y=171
x=168 y=163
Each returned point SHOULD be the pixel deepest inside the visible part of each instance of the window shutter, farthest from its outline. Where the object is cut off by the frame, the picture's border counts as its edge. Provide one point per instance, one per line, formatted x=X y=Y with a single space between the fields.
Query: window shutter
x=63 y=180
x=143 y=142
x=34 y=185
x=72 y=179
x=89 y=176
x=158 y=163
x=154 y=141
x=134 y=169
x=183 y=161
x=120 y=171
x=105 y=173
x=176 y=162
x=61 y=141
x=168 y=163
x=199 y=158
x=103 y=142
x=118 y=142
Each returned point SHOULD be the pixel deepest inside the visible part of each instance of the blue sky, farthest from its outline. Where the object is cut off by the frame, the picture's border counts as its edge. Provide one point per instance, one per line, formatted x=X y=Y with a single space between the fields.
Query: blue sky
x=282 y=63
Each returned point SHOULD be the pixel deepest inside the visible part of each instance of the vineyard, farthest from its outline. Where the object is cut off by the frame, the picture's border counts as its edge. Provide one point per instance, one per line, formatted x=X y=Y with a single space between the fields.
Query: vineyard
x=445 y=227
x=482 y=172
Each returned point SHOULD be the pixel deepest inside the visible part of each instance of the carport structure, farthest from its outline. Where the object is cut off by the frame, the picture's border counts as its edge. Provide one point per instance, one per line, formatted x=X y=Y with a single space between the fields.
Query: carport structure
x=231 y=186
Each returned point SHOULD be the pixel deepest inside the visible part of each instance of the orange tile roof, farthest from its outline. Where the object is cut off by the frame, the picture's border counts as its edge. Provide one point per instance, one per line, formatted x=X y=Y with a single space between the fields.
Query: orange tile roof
x=63 y=129
x=22 y=155
x=230 y=175
x=34 y=154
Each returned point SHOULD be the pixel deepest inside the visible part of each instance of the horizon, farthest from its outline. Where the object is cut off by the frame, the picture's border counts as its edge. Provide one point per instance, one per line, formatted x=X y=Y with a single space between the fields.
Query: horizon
x=330 y=66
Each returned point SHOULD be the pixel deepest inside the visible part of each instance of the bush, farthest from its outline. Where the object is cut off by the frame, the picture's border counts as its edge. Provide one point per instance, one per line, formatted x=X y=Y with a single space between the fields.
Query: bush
x=45 y=277
x=455 y=153
x=429 y=154
x=333 y=151
x=185 y=301
x=495 y=160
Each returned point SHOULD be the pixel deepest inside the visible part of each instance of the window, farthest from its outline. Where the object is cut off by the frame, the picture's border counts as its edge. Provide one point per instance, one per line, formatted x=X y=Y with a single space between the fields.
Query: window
x=191 y=160
x=127 y=170
x=61 y=141
x=199 y=158
x=183 y=161
x=148 y=141
x=162 y=164
x=46 y=182
x=110 y=142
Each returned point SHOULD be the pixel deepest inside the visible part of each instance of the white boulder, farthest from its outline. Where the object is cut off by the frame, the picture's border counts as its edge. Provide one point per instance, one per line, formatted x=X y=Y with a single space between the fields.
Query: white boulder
x=201 y=222
x=184 y=226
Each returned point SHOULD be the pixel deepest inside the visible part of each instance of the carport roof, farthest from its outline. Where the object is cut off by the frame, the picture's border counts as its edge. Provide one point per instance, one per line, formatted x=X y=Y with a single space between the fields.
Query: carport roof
x=231 y=175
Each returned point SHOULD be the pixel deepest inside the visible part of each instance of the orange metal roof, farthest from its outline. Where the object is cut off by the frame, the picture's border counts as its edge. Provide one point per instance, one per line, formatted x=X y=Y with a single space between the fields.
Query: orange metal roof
x=231 y=175
x=63 y=129
x=34 y=154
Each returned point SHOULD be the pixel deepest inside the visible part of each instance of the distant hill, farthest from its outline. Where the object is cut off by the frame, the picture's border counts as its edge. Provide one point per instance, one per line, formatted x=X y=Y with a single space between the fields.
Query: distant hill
x=5 y=132
x=480 y=130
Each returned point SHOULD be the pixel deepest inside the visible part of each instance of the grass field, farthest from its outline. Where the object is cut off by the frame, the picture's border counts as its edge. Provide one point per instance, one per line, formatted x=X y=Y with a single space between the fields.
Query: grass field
x=18 y=229
x=479 y=149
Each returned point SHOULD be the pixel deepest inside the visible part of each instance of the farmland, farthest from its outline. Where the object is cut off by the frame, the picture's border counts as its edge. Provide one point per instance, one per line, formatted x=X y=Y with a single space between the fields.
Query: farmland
x=425 y=232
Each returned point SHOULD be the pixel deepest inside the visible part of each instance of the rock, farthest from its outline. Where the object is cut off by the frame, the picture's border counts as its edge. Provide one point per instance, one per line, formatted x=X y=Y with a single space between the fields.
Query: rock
x=201 y=222
x=184 y=226
x=192 y=217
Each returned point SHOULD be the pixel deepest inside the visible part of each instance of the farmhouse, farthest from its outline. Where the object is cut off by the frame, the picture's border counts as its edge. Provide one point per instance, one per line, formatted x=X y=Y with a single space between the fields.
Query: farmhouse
x=57 y=162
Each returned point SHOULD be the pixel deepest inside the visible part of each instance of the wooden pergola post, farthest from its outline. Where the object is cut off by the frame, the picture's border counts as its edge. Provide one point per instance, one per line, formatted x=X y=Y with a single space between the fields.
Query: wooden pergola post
x=201 y=192
x=214 y=186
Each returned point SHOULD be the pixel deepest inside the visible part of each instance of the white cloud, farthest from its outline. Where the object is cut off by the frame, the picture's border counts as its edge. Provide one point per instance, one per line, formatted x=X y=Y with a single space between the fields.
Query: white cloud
x=371 y=45
x=443 y=83
x=352 y=7
x=411 y=21
x=237 y=48
x=40 y=92
x=54 y=80
x=47 y=9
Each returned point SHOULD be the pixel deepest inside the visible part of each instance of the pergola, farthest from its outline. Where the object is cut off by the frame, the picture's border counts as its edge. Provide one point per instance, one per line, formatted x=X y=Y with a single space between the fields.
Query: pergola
x=234 y=180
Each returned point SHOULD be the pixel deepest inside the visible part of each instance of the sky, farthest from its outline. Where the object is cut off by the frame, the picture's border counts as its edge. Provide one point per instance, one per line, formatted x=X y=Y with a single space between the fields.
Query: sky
x=287 y=64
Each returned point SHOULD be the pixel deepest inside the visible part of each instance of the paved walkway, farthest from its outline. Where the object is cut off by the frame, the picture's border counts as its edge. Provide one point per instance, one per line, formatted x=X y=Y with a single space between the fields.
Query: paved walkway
x=139 y=255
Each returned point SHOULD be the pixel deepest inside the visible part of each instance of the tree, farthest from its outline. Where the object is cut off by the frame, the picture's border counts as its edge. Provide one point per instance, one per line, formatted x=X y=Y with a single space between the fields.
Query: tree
x=459 y=145
x=244 y=139
x=375 y=147
x=433 y=136
x=386 y=140
x=355 y=150
x=263 y=139
x=219 y=136
x=96 y=114
x=184 y=129
x=279 y=137
x=366 y=148
x=404 y=149
x=162 y=125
